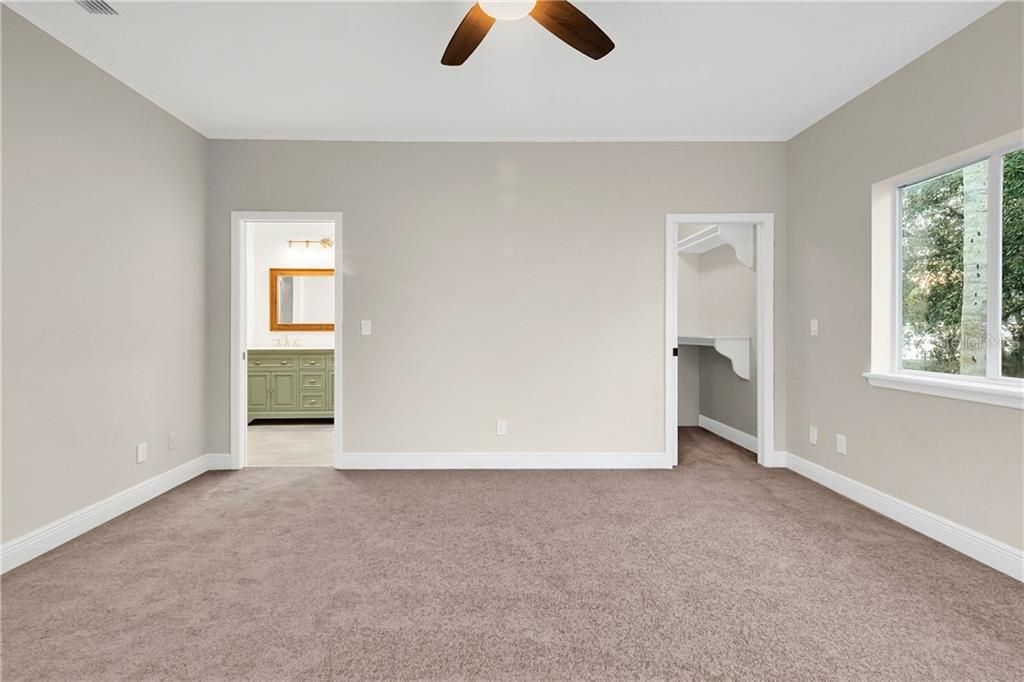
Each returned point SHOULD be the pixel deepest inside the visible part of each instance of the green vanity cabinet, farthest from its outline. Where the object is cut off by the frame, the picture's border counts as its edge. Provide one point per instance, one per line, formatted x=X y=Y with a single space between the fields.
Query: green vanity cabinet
x=291 y=383
x=330 y=382
x=283 y=391
x=259 y=391
x=330 y=391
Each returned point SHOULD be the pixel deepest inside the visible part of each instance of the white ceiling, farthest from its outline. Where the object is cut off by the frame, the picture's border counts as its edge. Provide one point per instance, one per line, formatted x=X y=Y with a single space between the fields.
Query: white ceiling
x=371 y=71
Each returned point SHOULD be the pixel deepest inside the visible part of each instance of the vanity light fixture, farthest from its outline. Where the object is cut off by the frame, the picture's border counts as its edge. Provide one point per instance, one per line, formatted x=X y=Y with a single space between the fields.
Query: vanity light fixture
x=325 y=243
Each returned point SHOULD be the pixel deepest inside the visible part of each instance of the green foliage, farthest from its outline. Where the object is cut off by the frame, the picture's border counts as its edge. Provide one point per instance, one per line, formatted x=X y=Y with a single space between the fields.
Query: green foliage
x=932 y=238
x=932 y=223
x=933 y=261
x=1013 y=264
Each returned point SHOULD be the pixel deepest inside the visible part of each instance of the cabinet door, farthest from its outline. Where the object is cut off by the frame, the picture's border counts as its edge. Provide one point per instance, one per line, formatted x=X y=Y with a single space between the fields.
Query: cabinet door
x=330 y=391
x=259 y=391
x=284 y=394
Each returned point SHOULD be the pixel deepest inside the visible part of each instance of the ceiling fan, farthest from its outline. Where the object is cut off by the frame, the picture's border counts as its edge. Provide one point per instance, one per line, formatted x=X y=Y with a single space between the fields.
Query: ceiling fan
x=560 y=17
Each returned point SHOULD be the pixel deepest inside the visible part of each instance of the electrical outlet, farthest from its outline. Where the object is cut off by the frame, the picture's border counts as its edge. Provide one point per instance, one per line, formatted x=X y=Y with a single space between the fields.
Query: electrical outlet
x=502 y=427
x=840 y=444
x=812 y=435
x=366 y=327
x=814 y=327
x=141 y=453
x=172 y=441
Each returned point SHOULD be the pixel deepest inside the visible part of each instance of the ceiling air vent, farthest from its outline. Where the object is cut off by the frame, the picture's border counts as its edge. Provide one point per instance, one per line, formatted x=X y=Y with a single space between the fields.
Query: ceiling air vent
x=96 y=6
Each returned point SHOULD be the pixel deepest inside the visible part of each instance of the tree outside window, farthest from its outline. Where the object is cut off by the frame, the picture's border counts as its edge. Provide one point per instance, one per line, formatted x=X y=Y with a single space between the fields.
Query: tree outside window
x=944 y=224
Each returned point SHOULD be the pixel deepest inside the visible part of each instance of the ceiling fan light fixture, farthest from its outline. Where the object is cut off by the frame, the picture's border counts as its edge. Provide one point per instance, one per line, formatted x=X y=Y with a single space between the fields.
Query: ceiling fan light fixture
x=507 y=10
x=560 y=17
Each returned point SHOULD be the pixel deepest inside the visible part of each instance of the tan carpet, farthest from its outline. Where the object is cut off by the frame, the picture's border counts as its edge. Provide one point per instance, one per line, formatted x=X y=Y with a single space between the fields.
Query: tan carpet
x=718 y=569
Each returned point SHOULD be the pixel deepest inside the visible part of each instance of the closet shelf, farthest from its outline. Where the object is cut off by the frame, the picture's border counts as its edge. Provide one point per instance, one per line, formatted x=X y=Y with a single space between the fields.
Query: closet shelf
x=736 y=348
x=739 y=237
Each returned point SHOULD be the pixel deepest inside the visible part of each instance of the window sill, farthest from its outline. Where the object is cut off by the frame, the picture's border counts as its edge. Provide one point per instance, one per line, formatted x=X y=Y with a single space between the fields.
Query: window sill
x=988 y=392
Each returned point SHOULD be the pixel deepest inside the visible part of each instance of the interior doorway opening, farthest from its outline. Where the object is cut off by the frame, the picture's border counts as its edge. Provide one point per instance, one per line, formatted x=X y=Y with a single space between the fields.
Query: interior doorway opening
x=719 y=325
x=286 y=339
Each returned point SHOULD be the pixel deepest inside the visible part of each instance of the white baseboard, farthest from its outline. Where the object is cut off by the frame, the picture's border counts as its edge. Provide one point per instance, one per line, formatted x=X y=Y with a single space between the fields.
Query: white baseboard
x=42 y=540
x=775 y=460
x=991 y=552
x=741 y=438
x=219 y=462
x=504 y=460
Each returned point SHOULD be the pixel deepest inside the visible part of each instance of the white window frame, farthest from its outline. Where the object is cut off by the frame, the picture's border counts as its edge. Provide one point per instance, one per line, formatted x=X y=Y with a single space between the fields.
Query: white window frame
x=887 y=291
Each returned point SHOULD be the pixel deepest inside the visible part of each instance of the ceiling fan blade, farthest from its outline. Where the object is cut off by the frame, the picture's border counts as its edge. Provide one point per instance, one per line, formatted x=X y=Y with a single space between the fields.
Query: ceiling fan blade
x=467 y=36
x=573 y=27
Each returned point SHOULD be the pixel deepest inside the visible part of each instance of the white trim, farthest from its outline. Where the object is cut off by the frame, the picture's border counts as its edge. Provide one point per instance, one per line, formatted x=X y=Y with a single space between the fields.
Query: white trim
x=745 y=440
x=52 y=535
x=991 y=552
x=766 y=455
x=885 y=269
x=221 y=461
x=994 y=269
x=339 y=325
x=765 y=337
x=237 y=354
x=239 y=368
x=671 y=343
x=505 y=460
x=289 y=466
x=988 y=391
x=507 y=138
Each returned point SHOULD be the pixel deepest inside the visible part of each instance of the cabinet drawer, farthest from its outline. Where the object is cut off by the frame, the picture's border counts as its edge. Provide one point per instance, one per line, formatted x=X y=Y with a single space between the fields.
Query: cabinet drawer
x=273 y=361
x=312 y=361
x=312 y=380
x=313 y=401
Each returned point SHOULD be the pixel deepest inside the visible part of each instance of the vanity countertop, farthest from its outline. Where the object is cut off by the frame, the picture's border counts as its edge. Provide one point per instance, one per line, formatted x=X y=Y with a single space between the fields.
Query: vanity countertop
x=293 y=349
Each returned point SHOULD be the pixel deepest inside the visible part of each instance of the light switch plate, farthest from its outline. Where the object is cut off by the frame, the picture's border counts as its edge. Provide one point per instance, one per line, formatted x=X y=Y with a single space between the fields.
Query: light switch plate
x=812 y=435
x=814 y=327
x=366 y=327
x=840 y=444
x=141 y=453
x=502 y=427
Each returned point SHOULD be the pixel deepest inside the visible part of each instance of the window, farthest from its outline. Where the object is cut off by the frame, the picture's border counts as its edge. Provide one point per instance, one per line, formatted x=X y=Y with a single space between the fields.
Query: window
x=943 y=225
x=1012 y=329
x=944 y=235
x=952 y=308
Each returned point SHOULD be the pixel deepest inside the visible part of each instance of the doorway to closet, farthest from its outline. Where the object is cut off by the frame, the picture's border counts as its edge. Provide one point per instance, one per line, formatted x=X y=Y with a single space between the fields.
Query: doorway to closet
x=286 y=341
x=719 y=330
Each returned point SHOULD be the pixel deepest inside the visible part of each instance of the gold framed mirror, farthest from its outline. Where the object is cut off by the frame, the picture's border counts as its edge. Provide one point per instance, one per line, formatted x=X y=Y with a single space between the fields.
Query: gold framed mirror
x=301 y=299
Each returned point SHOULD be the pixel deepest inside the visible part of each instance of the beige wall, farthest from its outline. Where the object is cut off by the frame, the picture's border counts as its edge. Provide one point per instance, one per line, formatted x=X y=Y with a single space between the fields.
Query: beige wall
x=960 y=460
x=103 y=283
x=523 y=281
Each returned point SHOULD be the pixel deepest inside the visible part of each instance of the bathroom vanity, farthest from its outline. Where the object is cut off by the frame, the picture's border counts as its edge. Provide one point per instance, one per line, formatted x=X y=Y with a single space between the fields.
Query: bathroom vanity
x=291 y=383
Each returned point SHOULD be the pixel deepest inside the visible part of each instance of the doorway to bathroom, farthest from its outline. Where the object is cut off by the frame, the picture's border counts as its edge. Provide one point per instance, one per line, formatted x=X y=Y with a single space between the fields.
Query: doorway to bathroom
x=286 y=340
